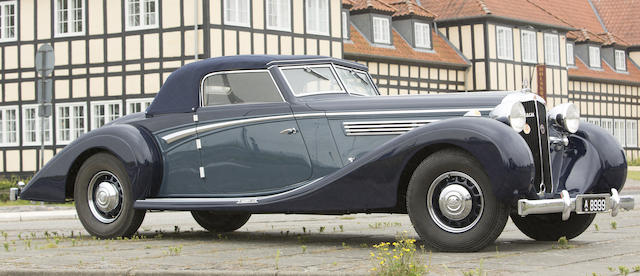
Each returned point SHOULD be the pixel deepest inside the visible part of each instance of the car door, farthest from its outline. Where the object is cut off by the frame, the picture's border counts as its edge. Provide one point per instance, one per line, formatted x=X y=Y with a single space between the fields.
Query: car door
x=249 y=139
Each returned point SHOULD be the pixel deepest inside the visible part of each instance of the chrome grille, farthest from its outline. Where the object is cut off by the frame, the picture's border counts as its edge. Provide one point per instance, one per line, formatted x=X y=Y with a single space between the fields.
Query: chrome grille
x=382 y=127
x=538 y=141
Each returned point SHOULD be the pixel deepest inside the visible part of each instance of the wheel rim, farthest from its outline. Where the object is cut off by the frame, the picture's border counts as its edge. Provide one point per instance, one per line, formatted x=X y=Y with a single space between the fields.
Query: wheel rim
x=105 y=197
x=455 y=202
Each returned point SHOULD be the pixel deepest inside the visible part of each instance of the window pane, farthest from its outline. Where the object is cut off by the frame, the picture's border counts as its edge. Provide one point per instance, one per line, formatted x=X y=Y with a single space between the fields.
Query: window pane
x=381 y=30
x=11 y=125
x=570 y=59
x=422 y=35
x=278 y=15
x=504 y=42
x=529 y=47
x=551 y=49
x=356 y=82
x=345 y=25
x=30 y=128
x=594 y=57
x=620 y=60
x=312 y=80
x=238 y=88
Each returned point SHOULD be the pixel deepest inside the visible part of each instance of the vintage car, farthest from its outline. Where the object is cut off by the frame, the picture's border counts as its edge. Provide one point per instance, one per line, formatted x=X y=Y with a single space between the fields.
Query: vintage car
x=233 y=136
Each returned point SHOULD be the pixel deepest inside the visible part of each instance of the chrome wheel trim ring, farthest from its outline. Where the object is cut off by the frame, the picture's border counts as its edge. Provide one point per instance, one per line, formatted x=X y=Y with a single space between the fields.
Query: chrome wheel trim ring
x=104 y=196
x=453 y=199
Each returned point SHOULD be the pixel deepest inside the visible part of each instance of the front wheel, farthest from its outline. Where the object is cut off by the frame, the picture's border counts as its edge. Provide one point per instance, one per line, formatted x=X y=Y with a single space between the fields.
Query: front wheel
x=451 y=203
x=219 y=222
x=103 y=197
x=550 y=227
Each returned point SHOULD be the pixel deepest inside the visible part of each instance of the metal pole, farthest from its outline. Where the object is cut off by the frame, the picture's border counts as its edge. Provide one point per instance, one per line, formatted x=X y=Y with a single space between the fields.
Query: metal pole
x=42 y=86
x=195 y=28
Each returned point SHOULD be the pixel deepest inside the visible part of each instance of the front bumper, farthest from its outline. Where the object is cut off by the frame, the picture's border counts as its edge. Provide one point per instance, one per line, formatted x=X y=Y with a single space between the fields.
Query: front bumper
x=566 y=205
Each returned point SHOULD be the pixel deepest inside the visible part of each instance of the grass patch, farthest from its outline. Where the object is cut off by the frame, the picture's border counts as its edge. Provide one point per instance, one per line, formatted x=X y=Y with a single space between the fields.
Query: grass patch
x=27 y=202
x=635 y=175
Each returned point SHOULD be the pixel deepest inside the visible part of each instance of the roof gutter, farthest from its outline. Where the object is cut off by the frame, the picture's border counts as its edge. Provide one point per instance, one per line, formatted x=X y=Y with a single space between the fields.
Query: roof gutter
x=497 y=17
x=406 y=60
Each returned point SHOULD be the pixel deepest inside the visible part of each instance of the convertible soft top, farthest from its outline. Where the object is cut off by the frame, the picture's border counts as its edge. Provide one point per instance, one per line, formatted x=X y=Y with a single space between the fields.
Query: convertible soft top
x=180 y=94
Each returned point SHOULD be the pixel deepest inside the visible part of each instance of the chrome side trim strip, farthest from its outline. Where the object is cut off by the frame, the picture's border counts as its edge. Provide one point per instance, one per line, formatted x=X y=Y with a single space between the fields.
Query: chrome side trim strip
x=172 y=137
x=237 y=200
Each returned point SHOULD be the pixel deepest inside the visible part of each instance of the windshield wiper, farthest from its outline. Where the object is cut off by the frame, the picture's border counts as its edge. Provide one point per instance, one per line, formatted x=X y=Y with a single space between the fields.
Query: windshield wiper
x=315 y=73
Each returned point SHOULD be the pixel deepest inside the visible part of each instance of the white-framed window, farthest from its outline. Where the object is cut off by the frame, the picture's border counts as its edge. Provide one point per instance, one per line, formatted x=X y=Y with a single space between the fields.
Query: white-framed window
x=422 y=35
x=381 y=31
x=619 y=131
x=71 y=121
x=104 y=112
x=551 y=49
x=237 y=12
x=621 y=60
x=345 y=25
x=278 y=15
x=570 y=57
x=69 y=17
x=594 y=56
x=632 y=133
x=9 y=125
x=607 y=124
x=317 y=16
x=141 y=14
x=138 y=105
x=31 y=126
x=504 y=38
x=529 y=46
x=8 y=20
x=594 y=121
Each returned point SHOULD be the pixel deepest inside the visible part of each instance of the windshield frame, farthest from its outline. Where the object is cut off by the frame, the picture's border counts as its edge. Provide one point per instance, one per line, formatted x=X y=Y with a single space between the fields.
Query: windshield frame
x=335 y=75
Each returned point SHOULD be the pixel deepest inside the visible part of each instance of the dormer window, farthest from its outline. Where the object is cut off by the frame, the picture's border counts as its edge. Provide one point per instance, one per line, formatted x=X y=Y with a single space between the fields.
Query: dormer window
x=570 y=58
x=594 y=56
x=621 y=61
x=381 y=32
x=422 y=35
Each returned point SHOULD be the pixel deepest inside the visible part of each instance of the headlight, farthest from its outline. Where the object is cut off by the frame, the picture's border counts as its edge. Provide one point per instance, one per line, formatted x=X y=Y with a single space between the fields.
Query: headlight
x=565 y=116
x=511 y=113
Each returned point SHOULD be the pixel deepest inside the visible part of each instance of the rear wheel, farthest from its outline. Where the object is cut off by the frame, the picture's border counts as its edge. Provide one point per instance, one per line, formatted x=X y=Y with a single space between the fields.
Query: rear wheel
x=451 y=203
x=103 y=197
x=220 y=223
x=550 y=227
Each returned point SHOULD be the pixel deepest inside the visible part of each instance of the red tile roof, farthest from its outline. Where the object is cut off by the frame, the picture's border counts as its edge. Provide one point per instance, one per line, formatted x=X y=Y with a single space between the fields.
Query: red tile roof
x=581 y=70
x=515 y=9
x=347 y=3
x=442 y=52
x=576 y=13
x=409 y=7
x=621 y=17
x=611 y=39
x=377 y=5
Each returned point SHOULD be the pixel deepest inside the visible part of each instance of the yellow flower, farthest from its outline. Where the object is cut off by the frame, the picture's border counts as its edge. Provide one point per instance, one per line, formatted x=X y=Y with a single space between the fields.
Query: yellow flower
x=396 y=257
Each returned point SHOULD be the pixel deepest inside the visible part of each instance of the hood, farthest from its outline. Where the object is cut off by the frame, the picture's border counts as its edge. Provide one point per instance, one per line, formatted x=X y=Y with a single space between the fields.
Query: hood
x=466 y=100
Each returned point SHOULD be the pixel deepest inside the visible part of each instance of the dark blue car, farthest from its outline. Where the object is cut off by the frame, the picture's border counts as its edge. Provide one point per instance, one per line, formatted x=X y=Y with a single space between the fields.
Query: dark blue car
x=233 y=136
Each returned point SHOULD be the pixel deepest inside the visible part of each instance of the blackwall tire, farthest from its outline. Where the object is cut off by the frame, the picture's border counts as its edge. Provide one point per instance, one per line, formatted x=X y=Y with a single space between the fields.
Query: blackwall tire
x=103 y=173
x=220 y=223
x=448 y=229
x=550 y=227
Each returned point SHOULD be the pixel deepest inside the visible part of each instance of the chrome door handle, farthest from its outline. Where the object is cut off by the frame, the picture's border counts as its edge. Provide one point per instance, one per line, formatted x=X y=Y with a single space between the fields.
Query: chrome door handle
x=289 y=131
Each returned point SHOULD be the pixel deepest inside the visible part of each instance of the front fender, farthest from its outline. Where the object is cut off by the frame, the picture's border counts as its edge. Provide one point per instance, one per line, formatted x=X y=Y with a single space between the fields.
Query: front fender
x=134 y=146
x=593 y=162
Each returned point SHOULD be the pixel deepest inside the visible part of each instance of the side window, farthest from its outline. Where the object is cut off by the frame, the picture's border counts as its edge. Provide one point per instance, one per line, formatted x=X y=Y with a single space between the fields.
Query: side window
x=239 y=88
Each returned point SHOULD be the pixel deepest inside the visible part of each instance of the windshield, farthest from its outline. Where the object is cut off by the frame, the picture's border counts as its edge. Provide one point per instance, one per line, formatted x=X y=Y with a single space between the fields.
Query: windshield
x=312 y=80
x=356 y=82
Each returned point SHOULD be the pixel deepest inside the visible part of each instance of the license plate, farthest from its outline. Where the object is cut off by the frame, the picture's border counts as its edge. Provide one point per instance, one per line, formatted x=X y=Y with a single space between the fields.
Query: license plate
x=592 y=203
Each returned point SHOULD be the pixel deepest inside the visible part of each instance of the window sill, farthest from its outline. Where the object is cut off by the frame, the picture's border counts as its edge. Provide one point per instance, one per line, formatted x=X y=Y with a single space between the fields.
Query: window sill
x=140 y=28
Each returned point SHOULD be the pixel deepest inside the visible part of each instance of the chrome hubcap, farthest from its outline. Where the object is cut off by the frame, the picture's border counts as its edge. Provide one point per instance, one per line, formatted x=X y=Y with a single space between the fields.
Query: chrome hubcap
x=105 y=196
x=455 y=202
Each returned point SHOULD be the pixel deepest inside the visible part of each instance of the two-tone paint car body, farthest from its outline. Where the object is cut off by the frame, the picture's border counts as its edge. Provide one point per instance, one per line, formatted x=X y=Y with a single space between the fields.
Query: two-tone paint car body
x=332 y=149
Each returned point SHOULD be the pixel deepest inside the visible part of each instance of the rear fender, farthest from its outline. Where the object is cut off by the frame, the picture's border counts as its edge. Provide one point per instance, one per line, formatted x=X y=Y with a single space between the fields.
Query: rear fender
x=134 y=146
